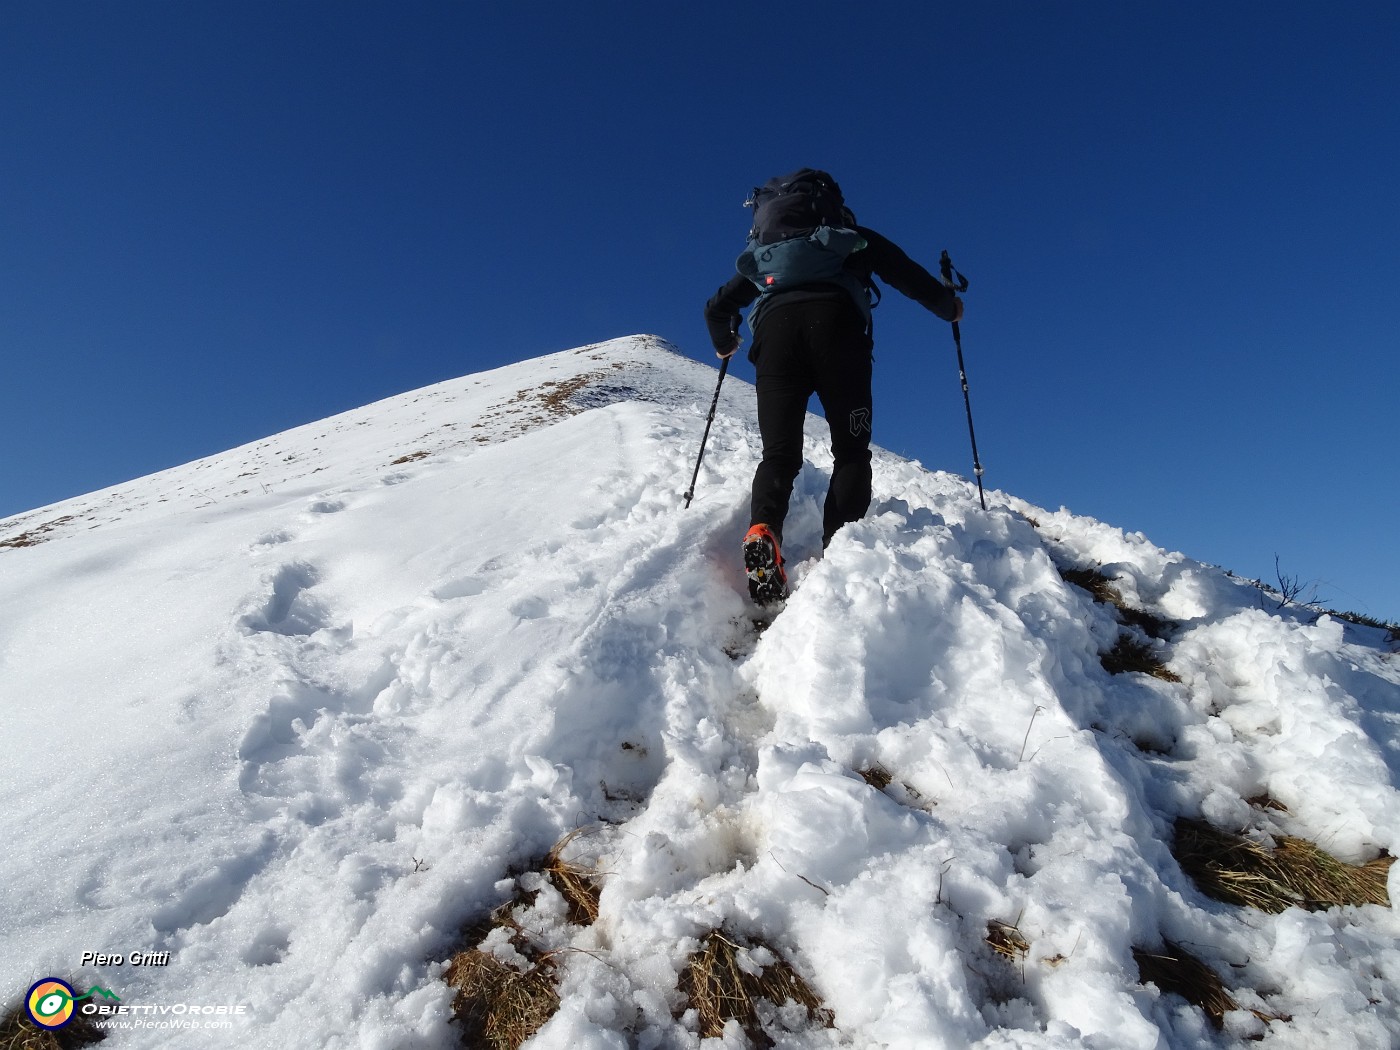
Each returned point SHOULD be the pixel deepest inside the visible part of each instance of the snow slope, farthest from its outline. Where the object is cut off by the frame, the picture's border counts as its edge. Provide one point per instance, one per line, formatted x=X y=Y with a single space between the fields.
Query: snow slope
x=295 y=713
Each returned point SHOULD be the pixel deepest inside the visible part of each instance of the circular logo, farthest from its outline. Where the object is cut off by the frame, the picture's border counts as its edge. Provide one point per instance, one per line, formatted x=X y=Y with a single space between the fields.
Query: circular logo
x=50 y=1003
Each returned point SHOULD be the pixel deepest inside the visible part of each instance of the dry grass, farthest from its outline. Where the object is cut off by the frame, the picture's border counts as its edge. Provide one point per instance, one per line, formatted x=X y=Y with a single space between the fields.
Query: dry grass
x=35 y=536
x=1101 y=589
x=1175 y=970
x=1006 y=940
x=578 y=884
x=722 y=990
x=1129 y=654
x=530 y=409
x=877 y=776
x=1295 y=873
x=906 y=794
x=500 y=1007
x=1154 y=626
x=1099 y=586
x=1267 y=801
x=556 y=397
x=1363 y=620
x=17 y=1032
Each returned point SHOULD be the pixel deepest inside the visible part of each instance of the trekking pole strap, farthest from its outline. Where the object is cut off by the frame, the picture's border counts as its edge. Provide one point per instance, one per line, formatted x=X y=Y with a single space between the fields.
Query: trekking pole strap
x=949 y=272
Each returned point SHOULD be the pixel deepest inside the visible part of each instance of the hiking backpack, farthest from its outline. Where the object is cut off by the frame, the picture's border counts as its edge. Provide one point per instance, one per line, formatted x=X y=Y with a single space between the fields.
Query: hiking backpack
x=802 y=234
x=796 y=205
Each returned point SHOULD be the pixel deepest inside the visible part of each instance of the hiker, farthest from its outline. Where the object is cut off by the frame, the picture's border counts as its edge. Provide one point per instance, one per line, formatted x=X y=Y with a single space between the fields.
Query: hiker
x=807 y=273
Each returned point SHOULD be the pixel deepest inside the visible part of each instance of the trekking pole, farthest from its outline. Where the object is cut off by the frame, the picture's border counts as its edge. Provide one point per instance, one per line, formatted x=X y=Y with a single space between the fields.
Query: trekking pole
x=945 y=265
x=690 y=492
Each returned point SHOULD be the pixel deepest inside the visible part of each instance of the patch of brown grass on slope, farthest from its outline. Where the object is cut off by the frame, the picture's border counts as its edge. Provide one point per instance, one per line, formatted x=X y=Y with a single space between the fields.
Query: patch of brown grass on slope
x=1295 y=873
x=721 y=987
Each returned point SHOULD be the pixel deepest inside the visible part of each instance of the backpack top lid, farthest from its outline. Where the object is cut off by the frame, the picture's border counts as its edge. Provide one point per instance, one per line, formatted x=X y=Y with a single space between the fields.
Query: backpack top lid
x=795 y=205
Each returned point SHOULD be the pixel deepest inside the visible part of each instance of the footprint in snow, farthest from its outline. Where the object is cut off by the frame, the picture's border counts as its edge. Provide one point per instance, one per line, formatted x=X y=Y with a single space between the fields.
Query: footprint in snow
x=274 y=538
x=466 y=587
x=268 y=947
x=276 y=733
x=531 y=608
x=211 y=896
x=289 y=609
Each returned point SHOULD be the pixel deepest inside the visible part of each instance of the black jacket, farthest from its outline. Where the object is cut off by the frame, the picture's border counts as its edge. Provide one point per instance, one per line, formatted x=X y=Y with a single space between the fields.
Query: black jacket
x=881 y=258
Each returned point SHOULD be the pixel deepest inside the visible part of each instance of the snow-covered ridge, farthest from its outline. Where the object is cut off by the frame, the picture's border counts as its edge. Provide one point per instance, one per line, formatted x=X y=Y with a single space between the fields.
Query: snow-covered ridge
x=448 y=417
x=295 y=713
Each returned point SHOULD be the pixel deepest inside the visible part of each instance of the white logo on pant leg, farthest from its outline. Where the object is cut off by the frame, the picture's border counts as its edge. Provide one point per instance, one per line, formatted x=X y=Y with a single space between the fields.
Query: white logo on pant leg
x=860 y=422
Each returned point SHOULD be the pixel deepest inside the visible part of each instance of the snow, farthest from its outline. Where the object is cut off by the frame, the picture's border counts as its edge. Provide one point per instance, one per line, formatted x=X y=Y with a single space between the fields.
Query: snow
x=299 y=712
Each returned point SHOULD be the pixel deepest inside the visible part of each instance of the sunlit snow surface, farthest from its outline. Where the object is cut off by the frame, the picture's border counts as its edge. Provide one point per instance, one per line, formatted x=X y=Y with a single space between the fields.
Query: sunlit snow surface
x=294 y=714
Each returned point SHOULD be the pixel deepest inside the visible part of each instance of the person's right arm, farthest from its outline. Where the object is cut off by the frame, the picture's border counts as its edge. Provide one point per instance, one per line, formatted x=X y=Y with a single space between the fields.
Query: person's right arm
x=722 y=313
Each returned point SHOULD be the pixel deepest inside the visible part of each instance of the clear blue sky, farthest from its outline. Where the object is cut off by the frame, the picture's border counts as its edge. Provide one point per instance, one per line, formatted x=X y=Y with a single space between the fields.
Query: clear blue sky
x=1182 y=223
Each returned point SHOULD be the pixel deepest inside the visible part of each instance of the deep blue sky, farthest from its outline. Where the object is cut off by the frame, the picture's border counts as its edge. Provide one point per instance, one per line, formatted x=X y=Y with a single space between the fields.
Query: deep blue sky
x=1181 y=221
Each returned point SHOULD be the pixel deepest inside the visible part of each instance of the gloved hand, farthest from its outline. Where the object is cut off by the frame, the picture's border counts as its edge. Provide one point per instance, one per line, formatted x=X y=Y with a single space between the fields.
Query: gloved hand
x=725 y=354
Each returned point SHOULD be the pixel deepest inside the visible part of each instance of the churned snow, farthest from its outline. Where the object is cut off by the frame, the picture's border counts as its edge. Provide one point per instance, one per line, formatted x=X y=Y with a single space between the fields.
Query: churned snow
x=296 y=714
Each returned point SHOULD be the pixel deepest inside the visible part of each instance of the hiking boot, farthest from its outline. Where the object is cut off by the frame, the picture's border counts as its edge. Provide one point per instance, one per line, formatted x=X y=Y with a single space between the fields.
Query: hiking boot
x=763 y=563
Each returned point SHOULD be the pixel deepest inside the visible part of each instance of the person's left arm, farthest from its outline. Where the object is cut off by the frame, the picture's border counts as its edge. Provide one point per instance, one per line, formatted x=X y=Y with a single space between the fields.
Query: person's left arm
x=889 y=262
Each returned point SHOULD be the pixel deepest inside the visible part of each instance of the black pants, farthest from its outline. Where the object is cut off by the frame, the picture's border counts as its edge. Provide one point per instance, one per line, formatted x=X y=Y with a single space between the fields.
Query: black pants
x=822 y=347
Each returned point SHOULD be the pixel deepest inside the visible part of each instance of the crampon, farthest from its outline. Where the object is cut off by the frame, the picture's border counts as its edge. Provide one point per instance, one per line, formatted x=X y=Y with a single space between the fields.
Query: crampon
x=763 y=564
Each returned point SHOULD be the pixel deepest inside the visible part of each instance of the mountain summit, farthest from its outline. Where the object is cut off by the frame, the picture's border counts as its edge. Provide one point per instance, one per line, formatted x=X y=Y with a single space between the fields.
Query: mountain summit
x=448 y=694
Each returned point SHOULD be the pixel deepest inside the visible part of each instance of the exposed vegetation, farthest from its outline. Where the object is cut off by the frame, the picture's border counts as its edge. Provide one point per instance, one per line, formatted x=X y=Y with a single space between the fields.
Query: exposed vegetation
x=579 y=884
x=1391 y=629
x=882 y=780
x=18 y=1032
x=1294 y=873
x=877 y=776
x=539 y=406
x=1292 y=590
x=725 y=981
x=1101 y=589
x=37 y=535
x=1175 y=970
x=1129 y=654
x=500 y=1005
x=1099 y=586
x=1006 y=940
